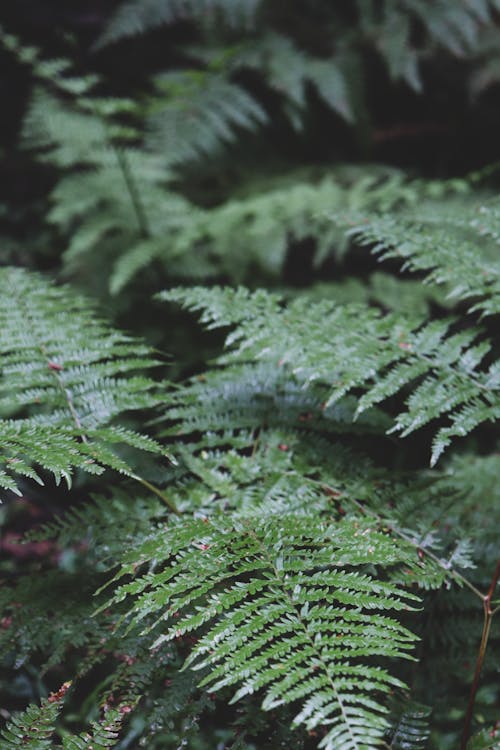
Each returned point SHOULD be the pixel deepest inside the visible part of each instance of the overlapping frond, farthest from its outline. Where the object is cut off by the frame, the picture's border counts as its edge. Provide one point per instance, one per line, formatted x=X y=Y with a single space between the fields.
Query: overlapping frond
x=241 y=235
x=288 y=70
x=486 y=739
x=352 y=347
x=455 y=245
x=65 y=376
x=411 y=729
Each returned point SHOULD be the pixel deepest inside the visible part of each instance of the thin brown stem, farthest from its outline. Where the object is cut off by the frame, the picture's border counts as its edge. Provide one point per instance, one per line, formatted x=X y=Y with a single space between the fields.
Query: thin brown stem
x=488 y=617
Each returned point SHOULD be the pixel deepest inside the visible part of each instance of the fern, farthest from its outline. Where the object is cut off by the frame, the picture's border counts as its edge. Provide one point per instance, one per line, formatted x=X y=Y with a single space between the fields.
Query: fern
x=71 y=375
x=382 y=355
x=411 y=732
x=387 y=27
x=305 y=532
x=135 y=17
x=273 y=593
x=443 y=244
x=123 y=203
x=179 y=131
x=34 y=728
x=288 y=69
x=485 y=740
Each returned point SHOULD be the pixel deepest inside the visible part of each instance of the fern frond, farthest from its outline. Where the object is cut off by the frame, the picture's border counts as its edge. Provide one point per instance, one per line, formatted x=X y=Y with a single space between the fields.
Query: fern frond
x=381 y=354
x=254 y=231
x=120 y=215
x=137 y=16
x=69 y=375
x=34 y=728
x=202 y=111
x=103 y=734
x=411 y=730
x=287 y=70
x=280 y=597
x=454 y=246
x=65 y=136
x=263 y=396
x=484 y=740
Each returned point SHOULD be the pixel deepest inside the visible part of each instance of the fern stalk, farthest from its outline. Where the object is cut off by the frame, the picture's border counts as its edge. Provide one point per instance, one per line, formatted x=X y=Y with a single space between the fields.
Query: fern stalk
x=152 y=488
x=135 y=198
x=488 y=618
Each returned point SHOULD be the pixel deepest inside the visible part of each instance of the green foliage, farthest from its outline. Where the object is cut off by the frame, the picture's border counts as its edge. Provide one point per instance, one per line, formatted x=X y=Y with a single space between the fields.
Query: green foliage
x=485 y=740
x=411 y=731
x=276 y=592
x=383 y=355
x=135 y=17
x=65 y=376
x=286 y=64
x=121 y=205
x=178 y=129
x=295 y=574
x=35 y=727
x=456 y=246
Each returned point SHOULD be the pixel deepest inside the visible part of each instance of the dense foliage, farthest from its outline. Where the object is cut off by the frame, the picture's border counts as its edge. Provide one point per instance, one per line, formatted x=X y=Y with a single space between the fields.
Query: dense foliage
x=250 y=375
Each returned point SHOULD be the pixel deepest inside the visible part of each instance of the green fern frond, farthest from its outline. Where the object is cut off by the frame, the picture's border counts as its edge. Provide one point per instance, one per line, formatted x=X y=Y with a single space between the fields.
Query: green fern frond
x=411 y=730
x=457 y=28
x=103 y=734
x=64 y=136
x=380 y=354
x=254 y=231
x=454 y=27
x=34 y=728
x=137 y=16
x=263 y=396
x=200 y=112
x=280 y=598
x=69 y=375
x=287 y=70
x=455 y=246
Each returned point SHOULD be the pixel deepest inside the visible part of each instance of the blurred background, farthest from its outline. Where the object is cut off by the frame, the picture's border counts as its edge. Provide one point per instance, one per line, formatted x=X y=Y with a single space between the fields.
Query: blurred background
x=150 y=143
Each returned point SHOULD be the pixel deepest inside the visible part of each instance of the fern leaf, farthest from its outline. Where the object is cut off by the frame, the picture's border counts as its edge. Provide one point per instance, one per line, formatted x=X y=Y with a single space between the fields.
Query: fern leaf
x=288 y=70
x=71 y=375
x=280 y=598
x=447 y=247
x=137 y=16
x=34 y=728
x=411 y=729
x=484 y=740
x=202 y=112
x=103 y=734
x=380 y=354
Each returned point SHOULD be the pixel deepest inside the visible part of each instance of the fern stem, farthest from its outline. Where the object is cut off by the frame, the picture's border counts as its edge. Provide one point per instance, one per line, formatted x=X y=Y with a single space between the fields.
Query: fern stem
x=152 y=488
x=488 y=617
x=69 y=401
x=133 y=192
